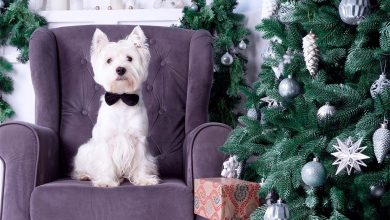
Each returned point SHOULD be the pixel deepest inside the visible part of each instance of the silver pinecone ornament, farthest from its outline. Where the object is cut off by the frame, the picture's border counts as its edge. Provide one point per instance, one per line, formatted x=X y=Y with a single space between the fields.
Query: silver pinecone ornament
x=289 y=88
x=252 y=113
x=270 y=8
x=354 y=11
x=381 y=139
x=379 y=85
x=326 y=111
x=227 y=59
x=311 y=53
x=277 y=211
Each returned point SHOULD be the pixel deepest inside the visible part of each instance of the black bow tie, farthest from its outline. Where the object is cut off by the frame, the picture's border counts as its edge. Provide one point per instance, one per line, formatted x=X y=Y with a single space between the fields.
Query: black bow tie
x=128 y=99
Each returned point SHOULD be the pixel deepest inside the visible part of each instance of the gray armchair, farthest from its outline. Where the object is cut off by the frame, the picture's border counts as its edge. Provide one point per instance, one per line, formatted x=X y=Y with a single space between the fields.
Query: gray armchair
x=38 y=157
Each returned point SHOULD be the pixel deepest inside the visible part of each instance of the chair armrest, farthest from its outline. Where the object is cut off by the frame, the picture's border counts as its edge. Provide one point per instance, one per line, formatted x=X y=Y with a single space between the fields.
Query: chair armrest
x=202 y=157
x=30 y=157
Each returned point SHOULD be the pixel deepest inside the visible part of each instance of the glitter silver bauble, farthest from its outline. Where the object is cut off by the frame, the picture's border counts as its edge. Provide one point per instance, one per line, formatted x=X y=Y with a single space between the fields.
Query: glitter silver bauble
x=379 y=85
x=1 y=4
x=227 y=59
x=381 y=140
x=326 y=111
x=252 y=113
x=242 y=45
x=377 y=190
x=313 y=173
x=289 y=88
x=286 y=12
x=194 y=7
x=277 y=211
x=354 y=11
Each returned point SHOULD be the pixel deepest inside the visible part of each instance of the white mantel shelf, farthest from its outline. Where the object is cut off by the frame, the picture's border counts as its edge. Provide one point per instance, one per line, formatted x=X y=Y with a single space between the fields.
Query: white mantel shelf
x=159 y=17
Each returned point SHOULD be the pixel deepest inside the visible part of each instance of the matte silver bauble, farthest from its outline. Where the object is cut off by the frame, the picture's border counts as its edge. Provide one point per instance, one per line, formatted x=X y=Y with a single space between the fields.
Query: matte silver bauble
x=289 y=88
x=227 y=59
x=313 y=173
x=242 y=45
x=326 y=111
x=354 y=11
x=381 y=140
x=194 y=7
x=379 y=85
x=377 y=190
x=277 y=211
x=252 y=113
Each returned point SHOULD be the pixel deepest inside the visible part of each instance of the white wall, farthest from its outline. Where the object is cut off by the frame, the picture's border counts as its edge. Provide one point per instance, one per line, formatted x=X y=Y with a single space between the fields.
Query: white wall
x=23 y=102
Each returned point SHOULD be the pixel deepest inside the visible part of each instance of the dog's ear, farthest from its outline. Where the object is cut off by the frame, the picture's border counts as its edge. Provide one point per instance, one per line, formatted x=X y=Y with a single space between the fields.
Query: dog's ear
x=137 y=37
x=99 y=40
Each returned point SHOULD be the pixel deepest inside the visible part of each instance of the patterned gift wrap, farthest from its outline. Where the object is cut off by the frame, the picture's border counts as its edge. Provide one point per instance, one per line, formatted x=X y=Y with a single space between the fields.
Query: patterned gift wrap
x=225 y=198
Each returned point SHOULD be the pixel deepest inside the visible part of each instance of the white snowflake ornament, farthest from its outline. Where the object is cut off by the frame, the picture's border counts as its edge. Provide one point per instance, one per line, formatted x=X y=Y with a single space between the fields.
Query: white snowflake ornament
x=349 y=155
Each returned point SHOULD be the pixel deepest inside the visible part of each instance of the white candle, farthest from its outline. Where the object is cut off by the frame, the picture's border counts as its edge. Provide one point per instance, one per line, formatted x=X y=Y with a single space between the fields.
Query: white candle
x=59 y=4
x=117 y=4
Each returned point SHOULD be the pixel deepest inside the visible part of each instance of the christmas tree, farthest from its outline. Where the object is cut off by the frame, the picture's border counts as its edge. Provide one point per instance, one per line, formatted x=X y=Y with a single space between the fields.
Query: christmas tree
x=17 y=23
x=229 y=66
x=322 y=94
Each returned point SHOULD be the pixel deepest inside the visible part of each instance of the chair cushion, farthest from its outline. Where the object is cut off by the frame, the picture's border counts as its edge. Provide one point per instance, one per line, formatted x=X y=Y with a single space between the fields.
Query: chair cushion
x=79 y=200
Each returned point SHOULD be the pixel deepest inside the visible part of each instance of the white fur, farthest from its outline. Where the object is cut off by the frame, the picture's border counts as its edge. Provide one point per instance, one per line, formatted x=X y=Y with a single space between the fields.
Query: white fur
x=118 y=147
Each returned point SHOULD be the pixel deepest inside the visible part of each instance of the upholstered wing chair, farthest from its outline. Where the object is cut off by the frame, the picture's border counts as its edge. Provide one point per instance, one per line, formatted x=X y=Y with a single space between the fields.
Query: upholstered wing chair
x=38 y=158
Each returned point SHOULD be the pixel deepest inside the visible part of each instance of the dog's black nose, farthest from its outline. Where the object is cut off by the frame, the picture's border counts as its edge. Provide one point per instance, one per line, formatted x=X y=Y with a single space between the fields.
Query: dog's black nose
x=121 y=71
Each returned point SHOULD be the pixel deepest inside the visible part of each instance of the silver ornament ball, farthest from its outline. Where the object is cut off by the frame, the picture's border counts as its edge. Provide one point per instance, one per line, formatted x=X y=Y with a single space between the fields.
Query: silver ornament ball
x=227 y=59
x=326 y=111
x=252 y=113
x=242 y=45
x=354 y=11
x=277 y=211
x=381 y=140
x=194 y=7
x=378 y=190
x=289 y=88
x=1 y=4
x=313 y=173
x=379 y=85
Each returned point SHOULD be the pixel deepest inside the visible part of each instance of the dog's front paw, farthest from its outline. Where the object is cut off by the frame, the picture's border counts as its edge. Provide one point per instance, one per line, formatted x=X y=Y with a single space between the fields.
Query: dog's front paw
x=146 y=180
x=105 y=183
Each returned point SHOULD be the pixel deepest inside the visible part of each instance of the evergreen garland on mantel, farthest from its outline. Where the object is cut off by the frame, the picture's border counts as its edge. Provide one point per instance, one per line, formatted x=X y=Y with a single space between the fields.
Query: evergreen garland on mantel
x=228 y=31
x=17 y=23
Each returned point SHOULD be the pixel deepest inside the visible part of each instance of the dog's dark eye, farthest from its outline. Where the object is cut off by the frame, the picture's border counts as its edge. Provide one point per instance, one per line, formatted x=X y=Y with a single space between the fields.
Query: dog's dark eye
x=129 y=58
x=109 y=61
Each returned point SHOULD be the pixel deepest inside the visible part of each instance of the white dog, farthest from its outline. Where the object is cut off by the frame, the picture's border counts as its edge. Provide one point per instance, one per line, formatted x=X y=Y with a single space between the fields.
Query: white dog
x=117 y=149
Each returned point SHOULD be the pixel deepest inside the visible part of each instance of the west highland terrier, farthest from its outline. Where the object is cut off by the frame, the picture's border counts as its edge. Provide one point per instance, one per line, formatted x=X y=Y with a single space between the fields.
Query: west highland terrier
x=118 y=147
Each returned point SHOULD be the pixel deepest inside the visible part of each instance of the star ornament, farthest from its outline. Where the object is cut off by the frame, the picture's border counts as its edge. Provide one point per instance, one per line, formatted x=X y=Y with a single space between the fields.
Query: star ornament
x=349 y=155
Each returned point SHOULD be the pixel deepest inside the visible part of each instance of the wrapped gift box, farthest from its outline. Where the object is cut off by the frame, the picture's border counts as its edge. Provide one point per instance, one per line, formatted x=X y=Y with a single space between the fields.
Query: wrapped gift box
x=225 y=198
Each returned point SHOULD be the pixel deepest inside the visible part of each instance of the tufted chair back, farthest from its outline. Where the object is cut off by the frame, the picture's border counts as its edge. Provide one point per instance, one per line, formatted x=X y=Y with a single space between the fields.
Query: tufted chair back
x=176 y=92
